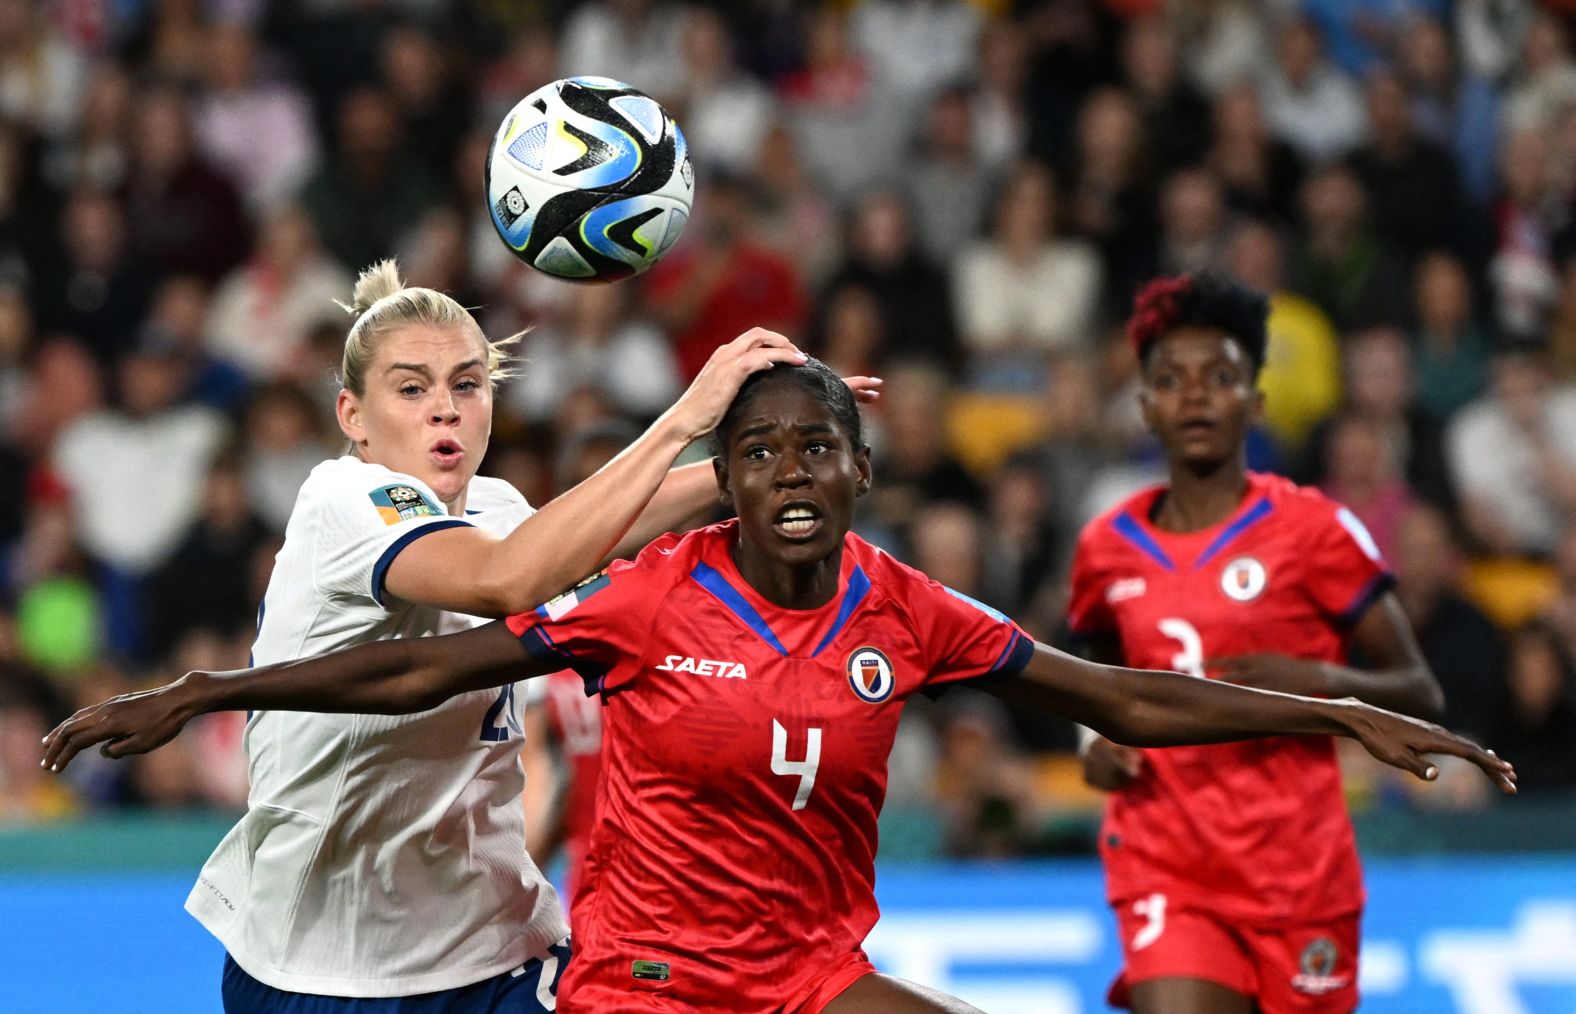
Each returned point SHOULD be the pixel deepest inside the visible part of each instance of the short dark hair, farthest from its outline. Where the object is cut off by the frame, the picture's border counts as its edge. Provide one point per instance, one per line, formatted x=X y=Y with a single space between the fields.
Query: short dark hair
x=1201 y=300
x=814 y=376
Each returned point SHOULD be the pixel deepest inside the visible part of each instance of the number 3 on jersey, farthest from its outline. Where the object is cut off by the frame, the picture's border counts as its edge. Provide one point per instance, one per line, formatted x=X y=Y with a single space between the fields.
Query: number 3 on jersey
x=1191 y=658
x=804 y=769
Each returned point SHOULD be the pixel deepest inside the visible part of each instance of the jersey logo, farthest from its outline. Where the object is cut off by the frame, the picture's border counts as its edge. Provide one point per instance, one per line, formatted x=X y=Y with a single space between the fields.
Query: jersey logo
x=870 y=675
x=704 y=667
x=557 y=608
x=401 y=503
x=1126 y=588
x=1317 y=969
x=1243 y=579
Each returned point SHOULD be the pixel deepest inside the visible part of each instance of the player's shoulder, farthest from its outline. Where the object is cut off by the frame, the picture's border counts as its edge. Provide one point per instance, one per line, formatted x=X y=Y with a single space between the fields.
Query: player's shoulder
x=673 y=556
x=1106 y=528
x=1297 y=504
x=490 y=494
x=898 y=588
x=344 y=483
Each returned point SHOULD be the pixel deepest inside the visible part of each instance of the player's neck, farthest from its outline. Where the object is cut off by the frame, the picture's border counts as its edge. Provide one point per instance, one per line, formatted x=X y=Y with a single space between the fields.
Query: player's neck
x=789 y=586
x=1201 y=498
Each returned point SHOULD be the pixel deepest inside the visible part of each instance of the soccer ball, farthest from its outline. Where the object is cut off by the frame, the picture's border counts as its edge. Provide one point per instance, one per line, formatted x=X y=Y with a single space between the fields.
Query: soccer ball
x=589 y=179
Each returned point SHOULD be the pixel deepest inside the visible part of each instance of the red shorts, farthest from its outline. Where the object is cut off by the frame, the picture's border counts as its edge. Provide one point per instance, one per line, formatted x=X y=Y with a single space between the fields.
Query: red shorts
x=831 y=983
x=1308 y=969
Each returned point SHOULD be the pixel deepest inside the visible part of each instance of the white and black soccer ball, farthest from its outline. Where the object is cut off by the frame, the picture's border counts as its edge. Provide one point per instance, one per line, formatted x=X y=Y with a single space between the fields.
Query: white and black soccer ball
x=589 y=179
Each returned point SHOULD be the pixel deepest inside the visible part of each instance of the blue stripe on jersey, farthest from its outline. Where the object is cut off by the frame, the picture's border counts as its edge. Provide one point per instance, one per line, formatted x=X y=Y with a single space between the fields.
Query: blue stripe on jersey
x=737 y=604
x=1371 y=593
x=995 y=614
x=1128 y=528
x=1015 y=659
x=381 y=568
x=858 y=588
x=1255 y=513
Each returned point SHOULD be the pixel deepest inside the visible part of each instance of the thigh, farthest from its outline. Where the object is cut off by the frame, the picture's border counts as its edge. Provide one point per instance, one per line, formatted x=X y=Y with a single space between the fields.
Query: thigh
x=1310 y=969
x=1187 y=996
x=875 y=993
x=1160 y=942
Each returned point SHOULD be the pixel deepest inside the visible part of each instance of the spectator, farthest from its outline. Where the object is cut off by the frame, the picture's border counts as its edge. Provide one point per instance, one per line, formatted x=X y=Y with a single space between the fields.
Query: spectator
x=205 y=585
x=1261 y=174
x=632 y=40
x=420 y=81
x=283 y=438
x=1560 y=614
x=1452 y=351
x=1020 y=553
x=891 y=33
x=916 y=466
x=1009 y=318
x=1193 y=231
x=949 y=184
x=181 y=214
x=1543 y=83
x=1462 y=647
x=999 y=112
x=1107 y=190
x=1513 y=453
x=1223 y=42
x=41 y=74
x=92 y=287
x=1451 y=105
x=95 y=154
x=1541 y=725
x=152 y=451
x=1341 y=264
x=28 y=794
x=177 y=322
x=264 y=310
x=725 y=112
x=984 y=783
x=1362 y=473
x=1301 y=377
x=1413 y=187
x=796 y=219
x=1176 y=119
x=1362 y=33
x=1380 y=389
x=882 y=256
x=852 y=338
x=597 y=343
x=1307 y=102
x=1529 y=211
x=723 y=281
x=364 y=197
x=238 y=107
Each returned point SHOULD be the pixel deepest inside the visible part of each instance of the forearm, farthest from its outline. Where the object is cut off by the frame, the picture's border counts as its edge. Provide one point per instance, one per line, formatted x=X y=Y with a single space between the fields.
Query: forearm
x=1409 y=690
x=684 y=493
x=392 y=677
x=570 y=537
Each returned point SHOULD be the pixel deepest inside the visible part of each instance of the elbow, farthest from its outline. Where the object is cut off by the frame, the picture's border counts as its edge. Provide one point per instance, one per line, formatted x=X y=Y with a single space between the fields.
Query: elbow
x=416 y=693
x=1431 y=699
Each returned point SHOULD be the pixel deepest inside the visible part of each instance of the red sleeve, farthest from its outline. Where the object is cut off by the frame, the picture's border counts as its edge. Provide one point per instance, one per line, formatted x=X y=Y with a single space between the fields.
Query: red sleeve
x=1088 y=614
x=601 y=622
x=1347 y=574
x=965 y=639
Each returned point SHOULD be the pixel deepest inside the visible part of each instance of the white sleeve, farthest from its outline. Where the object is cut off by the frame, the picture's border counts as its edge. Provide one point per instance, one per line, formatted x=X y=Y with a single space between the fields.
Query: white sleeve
x=363 y=516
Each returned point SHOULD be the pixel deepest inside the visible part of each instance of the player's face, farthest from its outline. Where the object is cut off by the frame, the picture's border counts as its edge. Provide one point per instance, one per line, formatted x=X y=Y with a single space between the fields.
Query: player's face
x=427 y=409
x=1198 y=396
x=793 y=474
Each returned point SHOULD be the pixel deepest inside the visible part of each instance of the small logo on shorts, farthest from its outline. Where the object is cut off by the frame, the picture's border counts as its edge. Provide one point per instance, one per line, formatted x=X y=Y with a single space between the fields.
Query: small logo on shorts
x=1243 y=579
x=1317 y=976
x=870 y=675
x=656 y=971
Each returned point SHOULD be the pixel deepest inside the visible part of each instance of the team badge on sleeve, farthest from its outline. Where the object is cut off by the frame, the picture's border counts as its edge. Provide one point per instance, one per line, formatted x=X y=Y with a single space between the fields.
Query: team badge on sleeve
x=557 y=608
x=870 y=675
x=401 y=503
x=1243 y=579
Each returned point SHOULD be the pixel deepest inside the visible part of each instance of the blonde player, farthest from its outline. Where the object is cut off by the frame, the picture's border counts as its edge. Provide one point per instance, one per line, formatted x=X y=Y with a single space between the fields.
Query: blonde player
x=384 y=857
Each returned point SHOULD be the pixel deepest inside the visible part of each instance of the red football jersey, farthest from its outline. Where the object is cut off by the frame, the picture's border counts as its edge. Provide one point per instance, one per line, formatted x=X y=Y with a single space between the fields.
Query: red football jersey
x=1256 y=831
x=576 y=721
x=732 y=864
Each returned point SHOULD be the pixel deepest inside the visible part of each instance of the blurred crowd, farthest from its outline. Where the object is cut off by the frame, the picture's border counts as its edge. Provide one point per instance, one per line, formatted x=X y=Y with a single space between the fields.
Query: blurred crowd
x=960 y=197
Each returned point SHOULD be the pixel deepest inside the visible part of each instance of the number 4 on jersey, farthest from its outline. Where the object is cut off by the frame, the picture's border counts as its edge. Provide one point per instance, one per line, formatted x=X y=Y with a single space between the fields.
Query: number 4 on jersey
x=494 y=731
x=805 y=769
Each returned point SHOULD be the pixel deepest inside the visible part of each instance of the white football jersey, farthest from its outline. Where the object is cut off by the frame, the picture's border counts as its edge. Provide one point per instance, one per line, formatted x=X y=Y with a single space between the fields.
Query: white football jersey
x=380 y=855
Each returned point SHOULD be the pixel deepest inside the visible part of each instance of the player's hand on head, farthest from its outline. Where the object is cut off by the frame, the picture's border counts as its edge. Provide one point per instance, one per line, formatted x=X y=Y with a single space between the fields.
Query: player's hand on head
x=128 y=724
x=1269 y=671
x=701 y=407
x=1110 y=766
x=1405 y=743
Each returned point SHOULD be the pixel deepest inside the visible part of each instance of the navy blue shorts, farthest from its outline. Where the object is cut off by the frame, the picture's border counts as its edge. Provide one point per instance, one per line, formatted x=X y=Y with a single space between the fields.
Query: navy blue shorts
x=530 y=989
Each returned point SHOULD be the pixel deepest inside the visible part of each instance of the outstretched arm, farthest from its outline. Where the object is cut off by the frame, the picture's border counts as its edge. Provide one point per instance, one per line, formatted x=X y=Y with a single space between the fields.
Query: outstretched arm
x=394 y=677
x=1143 y=708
